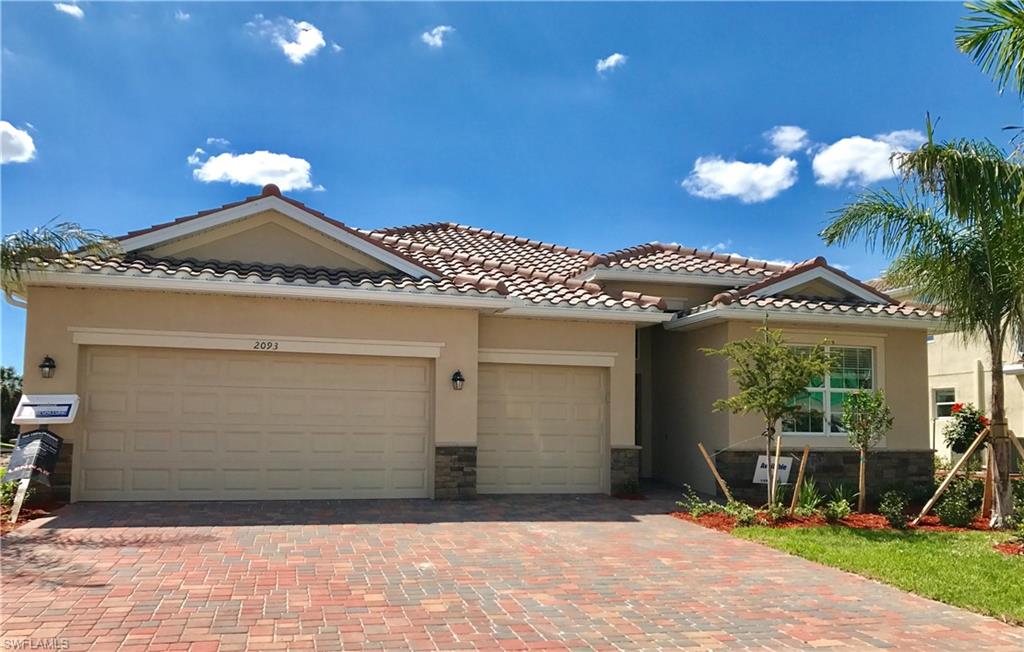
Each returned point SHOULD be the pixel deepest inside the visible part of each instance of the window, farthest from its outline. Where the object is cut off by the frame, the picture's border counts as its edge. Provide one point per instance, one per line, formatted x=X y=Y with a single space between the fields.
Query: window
x=821 y=402
x=944 y=400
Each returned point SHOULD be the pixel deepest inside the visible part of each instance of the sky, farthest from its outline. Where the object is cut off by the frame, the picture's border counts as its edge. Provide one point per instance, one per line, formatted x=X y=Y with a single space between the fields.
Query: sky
x=736 y=127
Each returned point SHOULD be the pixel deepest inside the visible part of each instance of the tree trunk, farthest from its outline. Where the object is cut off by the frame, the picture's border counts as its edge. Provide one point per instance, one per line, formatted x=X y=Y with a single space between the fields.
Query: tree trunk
x=768 y=433
x=1000 y=451
x=862 y=484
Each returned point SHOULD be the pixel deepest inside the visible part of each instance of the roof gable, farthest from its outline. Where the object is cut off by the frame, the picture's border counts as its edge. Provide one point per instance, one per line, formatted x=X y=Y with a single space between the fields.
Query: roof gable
x=270 y=199
x=813 y=278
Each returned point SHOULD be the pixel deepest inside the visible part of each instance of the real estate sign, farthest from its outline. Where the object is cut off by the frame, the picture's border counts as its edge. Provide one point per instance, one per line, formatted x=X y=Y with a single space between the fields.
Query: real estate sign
x=762 y=472
x=34 y=457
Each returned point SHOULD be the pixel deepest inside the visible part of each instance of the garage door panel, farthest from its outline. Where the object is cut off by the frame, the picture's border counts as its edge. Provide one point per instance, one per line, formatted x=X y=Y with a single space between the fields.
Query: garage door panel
x=216 y=425
x=542 y=429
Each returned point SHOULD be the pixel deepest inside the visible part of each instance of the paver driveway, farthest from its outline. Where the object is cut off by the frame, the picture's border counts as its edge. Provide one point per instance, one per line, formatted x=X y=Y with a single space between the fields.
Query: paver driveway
x=498 y=573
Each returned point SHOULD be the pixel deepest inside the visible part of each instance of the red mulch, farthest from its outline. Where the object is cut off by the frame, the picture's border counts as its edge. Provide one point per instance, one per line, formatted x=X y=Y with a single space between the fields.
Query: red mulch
x=720 y=522
x=930 y=523
x=1012 y=548
x=27 y=514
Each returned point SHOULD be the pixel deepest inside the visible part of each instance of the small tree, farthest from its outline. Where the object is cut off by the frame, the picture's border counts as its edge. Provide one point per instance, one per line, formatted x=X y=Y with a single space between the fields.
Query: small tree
x=866 y=418
x=770 y=374
x=10 y=394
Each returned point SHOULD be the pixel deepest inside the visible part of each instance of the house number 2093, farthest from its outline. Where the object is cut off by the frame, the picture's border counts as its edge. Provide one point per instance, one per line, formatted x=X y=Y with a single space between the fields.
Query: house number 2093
x=265 y=345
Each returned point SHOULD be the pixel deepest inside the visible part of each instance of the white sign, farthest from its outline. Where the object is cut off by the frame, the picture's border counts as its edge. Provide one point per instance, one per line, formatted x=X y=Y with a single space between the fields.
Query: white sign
x=37 y=409
x=764 y=466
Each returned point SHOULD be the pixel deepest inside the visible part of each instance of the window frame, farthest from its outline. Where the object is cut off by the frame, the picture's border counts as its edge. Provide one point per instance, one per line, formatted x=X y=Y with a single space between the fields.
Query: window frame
x=827 y=390
x=936 y=402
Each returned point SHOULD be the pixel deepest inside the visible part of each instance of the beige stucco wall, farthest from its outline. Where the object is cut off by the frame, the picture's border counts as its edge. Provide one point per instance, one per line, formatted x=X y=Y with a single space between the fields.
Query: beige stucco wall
x=598 y=337
x=53 y=310
x=688 y=383
x=966 y=368
x=268 y=237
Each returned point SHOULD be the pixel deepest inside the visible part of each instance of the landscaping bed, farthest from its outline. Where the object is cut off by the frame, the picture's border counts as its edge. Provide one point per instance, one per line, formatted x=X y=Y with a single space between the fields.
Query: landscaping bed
x=953 y=557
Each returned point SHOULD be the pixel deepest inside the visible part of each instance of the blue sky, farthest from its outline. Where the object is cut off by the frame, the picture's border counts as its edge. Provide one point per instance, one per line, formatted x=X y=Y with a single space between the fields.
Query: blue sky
x=504 y=120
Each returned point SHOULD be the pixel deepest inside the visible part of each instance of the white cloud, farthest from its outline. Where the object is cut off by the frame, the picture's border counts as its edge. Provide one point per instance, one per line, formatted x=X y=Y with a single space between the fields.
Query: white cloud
x=786 y=139
x=611 y=62
x=255 y=168
x=182 y=16
x=218 y=142
x=859 y=161
x=69 y=9
x=335 y=47
x=298 y=40
x=435 y=37
x=16 y=145
x=715 y=178
x=718 y=246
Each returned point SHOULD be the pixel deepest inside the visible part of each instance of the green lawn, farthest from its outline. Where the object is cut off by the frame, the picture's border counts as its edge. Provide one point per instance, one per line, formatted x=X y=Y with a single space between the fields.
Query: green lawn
x=958 y=568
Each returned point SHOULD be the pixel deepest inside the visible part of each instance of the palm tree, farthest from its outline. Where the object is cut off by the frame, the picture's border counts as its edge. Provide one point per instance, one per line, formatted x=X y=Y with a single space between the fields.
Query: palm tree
x=993 y=35
x=65 y=240
x=956 y=231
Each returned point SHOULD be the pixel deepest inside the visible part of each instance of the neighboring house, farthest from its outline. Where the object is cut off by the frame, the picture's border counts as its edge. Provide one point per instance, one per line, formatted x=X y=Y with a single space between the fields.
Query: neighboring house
x=960 y=371
x=263 y=350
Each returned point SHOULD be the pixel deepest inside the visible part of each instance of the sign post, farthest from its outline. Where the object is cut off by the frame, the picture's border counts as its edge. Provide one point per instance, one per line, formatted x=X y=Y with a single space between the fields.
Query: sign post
x=34 y=458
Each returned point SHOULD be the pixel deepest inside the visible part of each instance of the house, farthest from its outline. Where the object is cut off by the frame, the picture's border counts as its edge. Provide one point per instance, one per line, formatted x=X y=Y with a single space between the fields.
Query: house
x=264 y=350
x=960 y=371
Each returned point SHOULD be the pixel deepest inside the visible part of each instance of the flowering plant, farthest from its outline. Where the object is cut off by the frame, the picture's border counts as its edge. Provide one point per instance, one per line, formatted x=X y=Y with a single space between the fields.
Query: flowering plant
x=964 y=427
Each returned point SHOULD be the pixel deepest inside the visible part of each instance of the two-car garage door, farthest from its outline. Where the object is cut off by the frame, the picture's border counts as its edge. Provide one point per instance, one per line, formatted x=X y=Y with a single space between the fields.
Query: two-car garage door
x=167 y=424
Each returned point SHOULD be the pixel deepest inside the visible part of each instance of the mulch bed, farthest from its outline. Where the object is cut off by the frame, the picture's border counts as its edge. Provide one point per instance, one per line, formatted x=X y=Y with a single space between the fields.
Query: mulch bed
x=27 y=514
x=1012 y=548
x=930 y=523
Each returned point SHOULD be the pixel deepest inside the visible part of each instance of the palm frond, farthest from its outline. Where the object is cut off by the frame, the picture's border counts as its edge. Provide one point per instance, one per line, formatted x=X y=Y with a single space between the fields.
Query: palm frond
x=66 y=240
x=993 y=35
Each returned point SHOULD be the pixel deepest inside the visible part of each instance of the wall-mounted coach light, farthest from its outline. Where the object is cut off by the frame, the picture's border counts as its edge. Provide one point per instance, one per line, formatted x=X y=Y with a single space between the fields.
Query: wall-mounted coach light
x=47 y=367
x=458 y=380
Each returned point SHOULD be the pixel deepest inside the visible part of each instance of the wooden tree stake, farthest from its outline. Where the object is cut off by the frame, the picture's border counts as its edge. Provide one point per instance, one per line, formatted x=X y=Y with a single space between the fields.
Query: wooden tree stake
x=714 y=472
x=799 y=481
x=952 y=474
x=986 y=496
x=19 y=498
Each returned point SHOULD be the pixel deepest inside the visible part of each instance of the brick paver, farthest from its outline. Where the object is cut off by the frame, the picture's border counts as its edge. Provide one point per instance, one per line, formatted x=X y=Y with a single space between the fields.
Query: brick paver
x=503 y=573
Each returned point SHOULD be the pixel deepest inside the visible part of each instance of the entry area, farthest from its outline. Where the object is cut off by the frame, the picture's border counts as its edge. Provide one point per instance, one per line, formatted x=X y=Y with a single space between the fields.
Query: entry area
x=542 y=429
x=170 y=424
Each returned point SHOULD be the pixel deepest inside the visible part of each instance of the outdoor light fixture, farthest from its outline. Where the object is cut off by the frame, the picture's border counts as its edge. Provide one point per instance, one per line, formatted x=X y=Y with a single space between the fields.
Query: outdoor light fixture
x=458 y=380
x=47 y=366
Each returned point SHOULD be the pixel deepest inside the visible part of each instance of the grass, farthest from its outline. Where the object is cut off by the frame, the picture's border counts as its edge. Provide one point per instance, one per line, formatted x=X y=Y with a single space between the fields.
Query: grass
x=958 y=568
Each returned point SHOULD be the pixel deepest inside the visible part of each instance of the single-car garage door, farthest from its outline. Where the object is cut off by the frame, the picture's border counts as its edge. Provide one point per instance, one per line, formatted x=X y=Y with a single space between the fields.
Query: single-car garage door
x=168 y=424
x=542 y=429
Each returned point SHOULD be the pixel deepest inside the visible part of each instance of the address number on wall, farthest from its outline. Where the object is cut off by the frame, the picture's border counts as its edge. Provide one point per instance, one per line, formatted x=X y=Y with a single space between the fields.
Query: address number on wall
x=265 y=345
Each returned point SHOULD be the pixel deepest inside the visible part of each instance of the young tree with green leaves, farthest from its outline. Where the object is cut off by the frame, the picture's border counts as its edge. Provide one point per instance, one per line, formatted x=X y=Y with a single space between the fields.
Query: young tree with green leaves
x=955 y=229
x=866 y=419
x=10 y=394
x=65 y=240
x=770 y=374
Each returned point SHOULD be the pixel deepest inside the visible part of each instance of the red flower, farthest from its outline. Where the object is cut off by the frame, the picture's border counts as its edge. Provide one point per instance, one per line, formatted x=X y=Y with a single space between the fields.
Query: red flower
x=984 y=420
x=956 y=408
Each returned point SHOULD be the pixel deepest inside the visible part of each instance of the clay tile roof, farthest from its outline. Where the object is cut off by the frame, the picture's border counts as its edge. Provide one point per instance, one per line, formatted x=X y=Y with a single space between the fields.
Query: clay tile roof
x=659 y=257
x=820 y=306
x=262 y=272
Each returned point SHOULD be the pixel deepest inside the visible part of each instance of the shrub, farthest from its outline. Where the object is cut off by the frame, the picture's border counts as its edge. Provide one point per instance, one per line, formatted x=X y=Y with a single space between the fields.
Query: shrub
x=960 y=503
x=894 y=508
x=964 y=427
x=8 y=489
x=695 y=506
x=810 y=498
x=774 y=513
x=742 y=512
x=839 y=507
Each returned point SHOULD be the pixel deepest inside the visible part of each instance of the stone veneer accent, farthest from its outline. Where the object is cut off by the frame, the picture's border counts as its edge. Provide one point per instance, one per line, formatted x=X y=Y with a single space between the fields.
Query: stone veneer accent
x=454 y=472
x=625 y=468
x=911 y=470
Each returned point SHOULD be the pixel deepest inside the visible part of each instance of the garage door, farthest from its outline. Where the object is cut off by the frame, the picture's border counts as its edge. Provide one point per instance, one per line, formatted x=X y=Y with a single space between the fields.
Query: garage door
x=542 y=429
x=165 y=424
